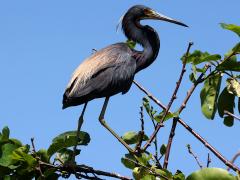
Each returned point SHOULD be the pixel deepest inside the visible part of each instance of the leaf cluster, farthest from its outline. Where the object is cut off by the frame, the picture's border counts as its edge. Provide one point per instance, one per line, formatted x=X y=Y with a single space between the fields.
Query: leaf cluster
x=213 y=99
x=17 y=161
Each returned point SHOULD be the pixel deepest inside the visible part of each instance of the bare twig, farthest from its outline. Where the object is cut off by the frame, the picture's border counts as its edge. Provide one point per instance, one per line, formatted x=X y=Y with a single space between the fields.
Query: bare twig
x=170 y=139
x=174 y=124
x=234 y=158
x=141 y=133
x=38 y=168
x=211 y=148
x=209 y=160
x=150 y=95
x=80 y=176
x=230 y=114
x=195 y=156
x=33 y=146
x=174 y=96
x=155 y=144
x=141 y=118
x=79 y=169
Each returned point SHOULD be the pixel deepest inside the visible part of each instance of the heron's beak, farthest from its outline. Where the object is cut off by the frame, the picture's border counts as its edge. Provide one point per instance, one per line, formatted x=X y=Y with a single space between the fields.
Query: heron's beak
x=151 y=14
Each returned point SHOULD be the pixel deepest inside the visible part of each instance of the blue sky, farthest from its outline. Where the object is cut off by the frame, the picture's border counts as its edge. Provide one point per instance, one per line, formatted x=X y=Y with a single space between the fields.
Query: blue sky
x=42 y=42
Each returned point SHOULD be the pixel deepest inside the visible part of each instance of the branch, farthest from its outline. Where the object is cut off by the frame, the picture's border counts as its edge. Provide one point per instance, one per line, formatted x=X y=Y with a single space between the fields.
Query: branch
x=230 y=114
x=141 y=133
x=211 y=148
x=38 y=168
x=150 y=95
x=174 y=96
x=183 y=105
x=170 y=139
x=79 y=169
x=234 y=158
x=195 y=156
x=208 y=160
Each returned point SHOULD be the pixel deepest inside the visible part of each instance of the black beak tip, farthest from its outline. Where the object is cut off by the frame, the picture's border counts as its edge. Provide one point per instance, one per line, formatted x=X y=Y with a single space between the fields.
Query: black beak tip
x=184 y=25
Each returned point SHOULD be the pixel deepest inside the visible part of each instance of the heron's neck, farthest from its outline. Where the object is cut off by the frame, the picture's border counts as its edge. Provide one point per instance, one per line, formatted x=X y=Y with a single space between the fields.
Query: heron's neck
x=147 y=37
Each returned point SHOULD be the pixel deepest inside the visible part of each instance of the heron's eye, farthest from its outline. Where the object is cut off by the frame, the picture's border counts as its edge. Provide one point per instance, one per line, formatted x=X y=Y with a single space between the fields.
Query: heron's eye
x=147 y=12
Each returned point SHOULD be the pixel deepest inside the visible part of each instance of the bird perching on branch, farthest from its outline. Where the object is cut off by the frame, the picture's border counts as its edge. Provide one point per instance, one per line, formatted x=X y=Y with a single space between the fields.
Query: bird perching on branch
x=111 y=70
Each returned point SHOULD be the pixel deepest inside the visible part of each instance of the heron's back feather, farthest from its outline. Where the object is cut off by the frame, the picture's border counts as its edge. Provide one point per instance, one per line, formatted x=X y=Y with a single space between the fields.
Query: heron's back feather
x=105 y=73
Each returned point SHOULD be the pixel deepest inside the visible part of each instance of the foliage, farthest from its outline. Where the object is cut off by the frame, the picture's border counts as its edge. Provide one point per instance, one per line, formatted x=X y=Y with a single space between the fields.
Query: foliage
x=17 y=161
x=211 y=101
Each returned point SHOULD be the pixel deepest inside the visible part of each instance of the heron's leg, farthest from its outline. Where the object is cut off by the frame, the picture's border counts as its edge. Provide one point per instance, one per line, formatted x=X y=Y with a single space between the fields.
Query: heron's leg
x=103 y=122
x=80 y=122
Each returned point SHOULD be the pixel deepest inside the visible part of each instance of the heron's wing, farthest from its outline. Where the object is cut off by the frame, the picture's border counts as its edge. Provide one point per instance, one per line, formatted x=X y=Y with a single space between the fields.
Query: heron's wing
x=101 y=70
x=109 y=81
x=98 y=61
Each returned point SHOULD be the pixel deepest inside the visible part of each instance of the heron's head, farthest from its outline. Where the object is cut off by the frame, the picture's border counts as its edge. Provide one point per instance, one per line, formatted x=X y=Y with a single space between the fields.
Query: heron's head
x=140 y=12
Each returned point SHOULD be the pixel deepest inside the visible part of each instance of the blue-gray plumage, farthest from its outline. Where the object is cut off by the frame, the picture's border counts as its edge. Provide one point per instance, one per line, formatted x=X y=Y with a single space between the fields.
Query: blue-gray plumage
x=107 y=72
x=111 y=70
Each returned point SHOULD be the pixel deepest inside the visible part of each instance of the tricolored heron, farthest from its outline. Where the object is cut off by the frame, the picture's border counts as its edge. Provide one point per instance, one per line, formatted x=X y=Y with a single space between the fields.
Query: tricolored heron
x=111 y=70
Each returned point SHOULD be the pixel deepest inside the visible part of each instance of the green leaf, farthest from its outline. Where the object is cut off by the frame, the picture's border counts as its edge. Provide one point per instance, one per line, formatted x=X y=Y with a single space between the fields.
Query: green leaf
x=229 y=65
x=132 y=137
x=159 y=117
x=209 y=95
x=192 y=78
x=28 y=162
x=149 y=109
x=144 y=159
x=5 y=134
x=68 y=139
x=16 y=142
x=129 y=160
x=131 y=44
x=6 y=156
x=236 y=48
x=66 y=155
x=211 y=174
x=164 y=173
x=179 y=176
x=148 y=177
x=233 y=87
x=198 y=57
x=42 y=153
x=213 y=57
x=231 y=27
x=138 y=173
x=128 y=163
x=193 y=75
x=163 y=149
x=225 y=102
